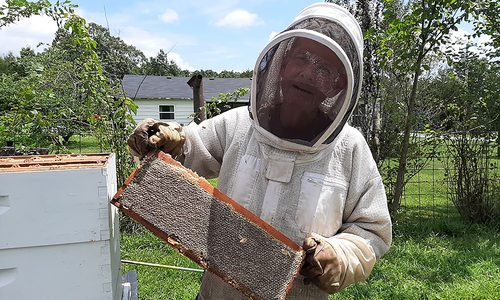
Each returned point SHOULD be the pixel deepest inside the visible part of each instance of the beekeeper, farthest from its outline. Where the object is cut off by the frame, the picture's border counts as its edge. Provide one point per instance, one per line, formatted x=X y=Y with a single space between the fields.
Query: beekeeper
x=291 y=158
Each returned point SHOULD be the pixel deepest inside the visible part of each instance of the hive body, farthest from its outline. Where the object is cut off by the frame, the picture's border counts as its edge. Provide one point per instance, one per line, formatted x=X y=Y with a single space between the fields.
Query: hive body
x=59 y=236
x=214 y=231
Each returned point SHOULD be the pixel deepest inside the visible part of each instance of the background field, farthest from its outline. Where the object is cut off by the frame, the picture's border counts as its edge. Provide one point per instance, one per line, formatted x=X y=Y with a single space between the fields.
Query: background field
x=434 y=255
x=429 y=259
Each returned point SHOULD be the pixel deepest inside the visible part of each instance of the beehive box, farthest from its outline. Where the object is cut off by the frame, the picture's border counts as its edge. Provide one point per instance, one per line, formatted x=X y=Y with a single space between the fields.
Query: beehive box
x=59 y=237
x=210 y=228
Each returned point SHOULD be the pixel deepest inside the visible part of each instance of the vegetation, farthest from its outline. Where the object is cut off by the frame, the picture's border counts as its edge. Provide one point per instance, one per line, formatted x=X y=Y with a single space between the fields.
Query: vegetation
x=159 y=283
x=416 y=81
x=417 y=94
x=474 y=190
x=432 y=257
x=221 y=103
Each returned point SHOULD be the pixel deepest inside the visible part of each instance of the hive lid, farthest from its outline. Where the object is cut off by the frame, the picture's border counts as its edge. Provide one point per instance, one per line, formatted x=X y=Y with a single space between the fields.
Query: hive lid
x=52 y=162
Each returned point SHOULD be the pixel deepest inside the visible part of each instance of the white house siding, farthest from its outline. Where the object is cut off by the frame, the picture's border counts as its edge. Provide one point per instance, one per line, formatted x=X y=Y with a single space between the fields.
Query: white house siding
x=149 y=108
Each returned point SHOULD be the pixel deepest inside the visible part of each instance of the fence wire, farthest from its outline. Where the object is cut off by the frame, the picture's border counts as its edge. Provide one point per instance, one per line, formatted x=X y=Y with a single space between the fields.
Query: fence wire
x=431 y=194
x=447 y=186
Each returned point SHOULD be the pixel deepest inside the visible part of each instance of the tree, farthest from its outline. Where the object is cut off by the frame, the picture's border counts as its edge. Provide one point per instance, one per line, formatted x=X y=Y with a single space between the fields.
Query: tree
x=15 y=10
x=486 y=23
x=22 y=105
x=9 y=65
x=469 y=94
x=79 y=73
x=206 y=73
x=246 y=74
x=162 y=66
x=117 y=58
x=367 y=114
x=234 y=74
x=415 y=30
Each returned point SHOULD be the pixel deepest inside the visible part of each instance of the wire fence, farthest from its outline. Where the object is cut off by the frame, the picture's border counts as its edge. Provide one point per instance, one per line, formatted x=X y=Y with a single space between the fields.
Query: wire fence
x=430 y=194
x=461 y=176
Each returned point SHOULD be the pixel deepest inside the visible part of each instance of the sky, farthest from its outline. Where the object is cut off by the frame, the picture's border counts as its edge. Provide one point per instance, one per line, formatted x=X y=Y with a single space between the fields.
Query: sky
x=217 y=34
x=197 y=34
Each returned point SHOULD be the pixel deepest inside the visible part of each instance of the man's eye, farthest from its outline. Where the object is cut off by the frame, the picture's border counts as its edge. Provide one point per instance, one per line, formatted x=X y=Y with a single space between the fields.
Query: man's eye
x=300 y=57
x=324 y=70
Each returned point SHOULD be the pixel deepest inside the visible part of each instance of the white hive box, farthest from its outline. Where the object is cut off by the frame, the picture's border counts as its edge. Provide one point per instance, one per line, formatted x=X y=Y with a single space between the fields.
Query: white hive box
x=59 y=236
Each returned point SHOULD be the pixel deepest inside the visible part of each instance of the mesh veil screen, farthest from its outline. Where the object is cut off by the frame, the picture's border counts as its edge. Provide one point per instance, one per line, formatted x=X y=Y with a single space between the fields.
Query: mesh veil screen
x=211 y=229
x=301 y=87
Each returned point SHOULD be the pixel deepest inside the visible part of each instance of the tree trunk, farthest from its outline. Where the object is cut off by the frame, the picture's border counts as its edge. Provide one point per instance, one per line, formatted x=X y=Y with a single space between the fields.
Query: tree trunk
x=403 y=157
x=376 y=128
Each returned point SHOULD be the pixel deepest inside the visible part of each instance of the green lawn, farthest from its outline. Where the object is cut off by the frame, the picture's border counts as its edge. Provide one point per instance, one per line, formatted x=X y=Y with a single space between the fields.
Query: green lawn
x=159 y=283
x=83 y=144
x=433 y=256
x=434 y=260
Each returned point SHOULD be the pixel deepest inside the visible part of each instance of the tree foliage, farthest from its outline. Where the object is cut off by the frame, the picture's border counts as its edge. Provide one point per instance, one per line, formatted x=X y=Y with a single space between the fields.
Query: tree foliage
x=222 y=74
x=64 y=87
x=161 y=65
x=15 y=10
x=414 y=31
x=117 y=58
x=10 y=65
x=224 y=102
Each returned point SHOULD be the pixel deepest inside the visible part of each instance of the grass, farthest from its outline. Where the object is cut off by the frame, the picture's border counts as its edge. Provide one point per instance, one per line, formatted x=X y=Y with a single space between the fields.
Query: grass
x=83 y=144
x=428 y=260
x=434 y=260
x=159 y=283
x=433 y=256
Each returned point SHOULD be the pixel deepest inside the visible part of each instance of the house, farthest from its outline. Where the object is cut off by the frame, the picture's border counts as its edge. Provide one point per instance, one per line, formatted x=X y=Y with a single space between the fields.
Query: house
x=170 y=98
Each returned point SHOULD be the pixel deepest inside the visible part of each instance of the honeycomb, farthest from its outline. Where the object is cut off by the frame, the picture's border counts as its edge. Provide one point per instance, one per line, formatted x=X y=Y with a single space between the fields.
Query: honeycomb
x=213 y=230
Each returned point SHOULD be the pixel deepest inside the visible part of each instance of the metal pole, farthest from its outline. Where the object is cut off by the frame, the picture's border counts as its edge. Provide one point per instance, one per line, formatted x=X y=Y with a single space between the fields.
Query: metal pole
x=162 y=266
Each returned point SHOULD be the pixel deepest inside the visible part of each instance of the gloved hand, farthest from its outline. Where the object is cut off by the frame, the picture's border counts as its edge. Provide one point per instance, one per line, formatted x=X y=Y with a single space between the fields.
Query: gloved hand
x=150 y=134
x=322 y=266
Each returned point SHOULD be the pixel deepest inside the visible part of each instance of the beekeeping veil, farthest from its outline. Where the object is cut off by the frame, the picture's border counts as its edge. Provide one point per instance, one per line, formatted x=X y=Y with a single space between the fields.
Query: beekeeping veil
x=308 y=78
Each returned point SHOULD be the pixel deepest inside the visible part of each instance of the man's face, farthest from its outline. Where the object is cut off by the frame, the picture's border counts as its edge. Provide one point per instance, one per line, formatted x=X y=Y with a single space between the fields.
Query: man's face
x=310 y=73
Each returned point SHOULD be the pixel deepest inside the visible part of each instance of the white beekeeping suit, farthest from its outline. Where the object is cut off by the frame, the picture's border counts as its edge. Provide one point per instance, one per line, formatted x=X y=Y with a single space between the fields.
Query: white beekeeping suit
x=318 y=177
x=291 y=158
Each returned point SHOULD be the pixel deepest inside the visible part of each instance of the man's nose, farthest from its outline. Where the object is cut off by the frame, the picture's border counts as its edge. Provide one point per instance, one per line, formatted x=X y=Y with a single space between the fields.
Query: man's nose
x=307 y=73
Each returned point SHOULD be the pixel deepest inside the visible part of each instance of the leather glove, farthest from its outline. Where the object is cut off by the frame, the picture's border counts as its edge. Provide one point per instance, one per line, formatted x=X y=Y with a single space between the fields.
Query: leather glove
x=322 y=266
x=150 y=134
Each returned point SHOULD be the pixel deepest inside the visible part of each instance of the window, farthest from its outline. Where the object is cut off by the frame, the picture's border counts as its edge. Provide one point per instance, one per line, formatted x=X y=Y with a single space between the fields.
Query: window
x=167 y=112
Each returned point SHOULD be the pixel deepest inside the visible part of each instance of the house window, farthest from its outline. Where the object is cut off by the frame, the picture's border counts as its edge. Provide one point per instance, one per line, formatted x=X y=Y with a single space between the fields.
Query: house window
x=167 y=112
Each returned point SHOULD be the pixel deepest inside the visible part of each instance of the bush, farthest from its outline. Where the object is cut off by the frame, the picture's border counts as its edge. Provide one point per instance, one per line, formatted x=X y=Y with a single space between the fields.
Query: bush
x=472 y=177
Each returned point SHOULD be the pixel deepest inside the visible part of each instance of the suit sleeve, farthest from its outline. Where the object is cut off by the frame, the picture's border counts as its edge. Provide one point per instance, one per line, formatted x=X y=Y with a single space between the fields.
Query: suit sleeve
x=207 y=142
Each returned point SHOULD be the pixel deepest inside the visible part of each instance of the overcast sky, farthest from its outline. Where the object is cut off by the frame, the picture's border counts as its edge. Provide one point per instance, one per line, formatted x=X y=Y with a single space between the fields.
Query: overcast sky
x=202 y=34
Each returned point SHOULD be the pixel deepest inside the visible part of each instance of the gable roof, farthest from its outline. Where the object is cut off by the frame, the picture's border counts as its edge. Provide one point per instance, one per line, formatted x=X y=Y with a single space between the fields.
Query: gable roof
x=170 y=87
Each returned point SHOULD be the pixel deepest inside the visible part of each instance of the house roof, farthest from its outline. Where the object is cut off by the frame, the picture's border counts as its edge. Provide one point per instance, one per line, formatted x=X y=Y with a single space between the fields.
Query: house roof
x=167 y=87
